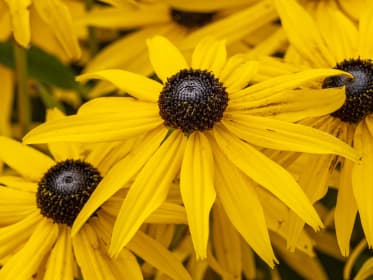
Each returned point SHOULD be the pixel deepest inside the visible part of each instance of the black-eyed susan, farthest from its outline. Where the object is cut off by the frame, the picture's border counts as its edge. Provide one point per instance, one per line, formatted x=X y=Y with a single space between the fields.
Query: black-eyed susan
x=203 y=125
x=331 y=39
x=30 y=17
x=184 y=22
x=39 y=205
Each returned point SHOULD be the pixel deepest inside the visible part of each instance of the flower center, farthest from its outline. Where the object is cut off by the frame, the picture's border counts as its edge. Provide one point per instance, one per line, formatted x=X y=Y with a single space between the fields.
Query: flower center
x=65 y=188
x=191 y=19
x=192 y=100
x=359 y=89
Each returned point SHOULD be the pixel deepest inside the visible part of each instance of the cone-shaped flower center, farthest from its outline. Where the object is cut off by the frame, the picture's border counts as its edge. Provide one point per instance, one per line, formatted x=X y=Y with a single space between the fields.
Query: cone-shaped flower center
x=191 y=19
x=192 y=100
x=65 y=188
x=359 y=89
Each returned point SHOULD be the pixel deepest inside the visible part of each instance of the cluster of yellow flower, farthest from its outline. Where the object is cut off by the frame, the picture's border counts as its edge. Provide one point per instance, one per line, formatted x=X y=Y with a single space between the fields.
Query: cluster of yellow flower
x=174 y=139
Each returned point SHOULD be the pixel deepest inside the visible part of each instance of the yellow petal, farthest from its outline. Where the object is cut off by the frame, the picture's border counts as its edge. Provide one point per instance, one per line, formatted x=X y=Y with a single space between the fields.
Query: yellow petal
x=362 y=177
x=56 y=14
x=197 y=189
x=209 y=54
x=365 y=271
x=303 y=33
x=136 y=85
x=346 y=209
x=95 y=127
x=234 y=27
x=148 y=191
x=168 y=213
x=61 y=151
x=119 y=175
x=14 y=236
x=365 y=26
x=238 y=77
x=60 y=264
x=166 y=59
x=242 y=206
x=126 y=17
x=270 y=87
x=227 y=242
x=25 y=263
x=280 y=135
x=339 y=32
x=158 y=256
x=268 y=174
x=19 y=156
x=293 y=105
x=20 y=18
x=206 y=5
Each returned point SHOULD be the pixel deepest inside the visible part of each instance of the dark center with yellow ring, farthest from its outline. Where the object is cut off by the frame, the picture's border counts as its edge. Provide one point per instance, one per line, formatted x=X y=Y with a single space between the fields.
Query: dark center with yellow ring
x=192 y=100
x=359 y=89
x=191 y=19
x=65 y=188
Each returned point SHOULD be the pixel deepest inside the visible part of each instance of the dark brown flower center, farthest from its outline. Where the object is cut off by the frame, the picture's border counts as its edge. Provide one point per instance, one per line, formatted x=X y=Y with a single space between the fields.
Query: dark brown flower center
x=65 y=188
x=191 y=19
x=192 y=100
x=359 y=89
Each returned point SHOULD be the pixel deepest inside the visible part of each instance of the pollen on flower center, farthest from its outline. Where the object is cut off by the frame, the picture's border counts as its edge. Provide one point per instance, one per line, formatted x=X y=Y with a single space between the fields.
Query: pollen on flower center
x=192 y=100
x=65 y=188
x=191 y=19
x=359 y=89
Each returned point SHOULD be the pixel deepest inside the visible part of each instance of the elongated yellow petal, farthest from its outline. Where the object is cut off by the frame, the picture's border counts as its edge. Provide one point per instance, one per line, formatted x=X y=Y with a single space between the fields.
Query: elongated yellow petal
x=25 y=263
x=158 y=256
x=197 y=189
x=209 y=54
x=61 y=151
x=365 y=271
x=275 y=134
x=345 y=215
x=206 y=5
x=293 y=105
x=267 y=173
x=6 y=80
x=136 y=85
x=20 y=18
x=14 y=236
x=148 y=191
x=234 y=27
x=168 y=213
x=227 y=242
x=365 y=26
x=60 y=264
x=120 y=175
x=238 y=77
x=270 y=87
x=99 y=127
x=362 y=177
x=127 y=17
x=295 y=20
x=91 y=256
x=242 y=206
x=166 y=59
x=19 y=156
x=339 y=32
x=15 y=204
x=56 y=14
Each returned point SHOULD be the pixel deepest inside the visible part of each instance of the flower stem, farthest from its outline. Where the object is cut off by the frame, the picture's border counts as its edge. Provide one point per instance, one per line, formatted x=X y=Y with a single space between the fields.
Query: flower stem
x=23 y=98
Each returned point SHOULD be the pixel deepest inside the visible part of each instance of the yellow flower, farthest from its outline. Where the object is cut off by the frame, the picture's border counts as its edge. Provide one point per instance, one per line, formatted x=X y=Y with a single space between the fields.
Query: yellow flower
x=185 y=22
x=334 y=40
x=38 y=208
x=28 y=16
x=201 y=123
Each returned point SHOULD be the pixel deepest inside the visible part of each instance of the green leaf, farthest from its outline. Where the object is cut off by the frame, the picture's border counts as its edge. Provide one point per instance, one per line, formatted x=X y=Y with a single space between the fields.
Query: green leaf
x=42 y=66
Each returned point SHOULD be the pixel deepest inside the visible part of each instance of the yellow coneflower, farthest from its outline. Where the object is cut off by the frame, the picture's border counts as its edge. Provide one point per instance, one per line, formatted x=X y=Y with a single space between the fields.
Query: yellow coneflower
x=27 y=16
x=196 y=121
x=334 y=40
x=38 y=208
